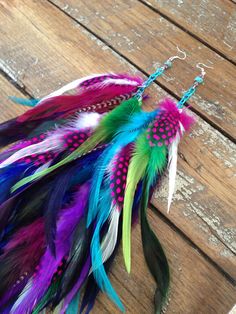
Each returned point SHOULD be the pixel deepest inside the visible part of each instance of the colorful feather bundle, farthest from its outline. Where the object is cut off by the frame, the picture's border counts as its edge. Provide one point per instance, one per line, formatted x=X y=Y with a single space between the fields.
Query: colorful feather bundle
x=72 y=187
x=97 y=93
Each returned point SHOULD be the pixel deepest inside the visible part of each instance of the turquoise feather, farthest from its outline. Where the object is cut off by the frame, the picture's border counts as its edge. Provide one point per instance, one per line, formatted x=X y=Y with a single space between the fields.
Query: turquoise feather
x=25 y=102
x=96 y=254
x=74 y=305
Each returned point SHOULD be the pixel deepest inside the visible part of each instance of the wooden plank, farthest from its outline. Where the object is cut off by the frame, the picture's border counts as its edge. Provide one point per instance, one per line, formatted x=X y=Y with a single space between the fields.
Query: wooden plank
x=147 y=39
x=213 y=21
x=196 y=286
x=205 y=177
x=7 y=108
x=44 y=57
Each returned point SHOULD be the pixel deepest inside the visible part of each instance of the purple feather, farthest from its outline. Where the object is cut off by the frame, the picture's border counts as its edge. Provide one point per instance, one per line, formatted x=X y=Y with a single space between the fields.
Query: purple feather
x=67 y=222
x=11 y=295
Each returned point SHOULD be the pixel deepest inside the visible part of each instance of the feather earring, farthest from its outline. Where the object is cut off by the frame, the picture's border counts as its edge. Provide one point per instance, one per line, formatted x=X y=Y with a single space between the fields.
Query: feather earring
x=84 y=207
x=108 y=125
x=55 y=197
x=139 y=157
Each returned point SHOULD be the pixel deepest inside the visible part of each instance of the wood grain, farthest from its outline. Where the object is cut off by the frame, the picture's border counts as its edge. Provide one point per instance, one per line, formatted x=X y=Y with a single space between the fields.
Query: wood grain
x=147 y=39
x=196 y=288
x=9 y=109
x=44 y=57
x=213 y=21
x=52 y=49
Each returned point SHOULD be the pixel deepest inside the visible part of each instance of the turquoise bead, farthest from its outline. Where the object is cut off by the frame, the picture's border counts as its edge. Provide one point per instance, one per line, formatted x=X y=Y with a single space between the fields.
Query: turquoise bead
x=198 y=79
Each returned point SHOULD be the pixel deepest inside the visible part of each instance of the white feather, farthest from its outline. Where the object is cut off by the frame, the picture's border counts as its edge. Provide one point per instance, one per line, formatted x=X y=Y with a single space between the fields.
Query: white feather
x=233 y=310
x=51 y=143
x=120 y=82
x=78 y=82
x=87 y=120
x=43 y=167
x=70 y=85
x=109 y=241
x=172 y=165
x=22 y=295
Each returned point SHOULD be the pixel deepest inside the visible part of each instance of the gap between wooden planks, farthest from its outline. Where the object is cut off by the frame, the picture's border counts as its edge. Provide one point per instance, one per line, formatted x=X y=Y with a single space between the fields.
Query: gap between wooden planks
x=65 y=67
x=146 y=39
x=45 y=57
x=211 y=21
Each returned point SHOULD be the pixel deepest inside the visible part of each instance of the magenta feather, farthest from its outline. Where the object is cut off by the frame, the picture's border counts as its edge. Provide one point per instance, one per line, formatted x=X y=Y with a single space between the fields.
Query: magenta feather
x=20 y=257
x=99 y=93
x=88 y=97
x=118 y=175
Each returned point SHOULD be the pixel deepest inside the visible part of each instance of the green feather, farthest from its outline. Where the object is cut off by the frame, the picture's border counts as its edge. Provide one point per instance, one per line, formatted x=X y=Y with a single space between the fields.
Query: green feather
x=136 y=171
x=104 y=133
x=52 y=290
x=147 y=161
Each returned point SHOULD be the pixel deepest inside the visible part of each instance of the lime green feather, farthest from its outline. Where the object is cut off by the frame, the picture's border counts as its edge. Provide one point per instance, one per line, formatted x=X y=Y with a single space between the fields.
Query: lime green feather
x=104 y=133
x=148 y=161
x=136 y=171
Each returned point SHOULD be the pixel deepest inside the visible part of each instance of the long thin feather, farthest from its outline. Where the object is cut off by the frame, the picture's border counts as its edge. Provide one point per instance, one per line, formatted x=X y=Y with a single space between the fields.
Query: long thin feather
x=96 y=252
x=99 y=93
x=74 y=305
x=91 y=288
x=110 y=239
x=172 y=167
x=136 y=171
x=154 y=255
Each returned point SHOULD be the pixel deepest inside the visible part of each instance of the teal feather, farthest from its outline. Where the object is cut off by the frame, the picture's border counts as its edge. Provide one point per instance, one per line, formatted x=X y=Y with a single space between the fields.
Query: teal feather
x=96 y=254
x=74 y=305
x=25 y=102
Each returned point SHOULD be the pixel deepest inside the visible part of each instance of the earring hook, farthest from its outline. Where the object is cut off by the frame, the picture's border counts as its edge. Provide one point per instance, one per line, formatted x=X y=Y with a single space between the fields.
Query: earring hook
x=178 y=57
x=201 y=66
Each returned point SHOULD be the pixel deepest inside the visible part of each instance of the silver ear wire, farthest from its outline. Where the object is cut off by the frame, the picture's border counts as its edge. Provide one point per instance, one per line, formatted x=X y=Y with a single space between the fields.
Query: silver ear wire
x=198 y=80
x=202 y=67
x=158 y=72
x=178 y=57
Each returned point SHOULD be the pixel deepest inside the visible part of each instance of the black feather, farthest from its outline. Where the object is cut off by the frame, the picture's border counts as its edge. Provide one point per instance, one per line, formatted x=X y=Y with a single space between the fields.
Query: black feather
x=154 y=254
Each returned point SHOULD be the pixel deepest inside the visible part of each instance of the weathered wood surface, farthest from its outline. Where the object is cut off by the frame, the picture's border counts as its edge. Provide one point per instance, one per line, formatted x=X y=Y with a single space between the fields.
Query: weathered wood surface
x=147 y=39
x=52 y=49
x=214 y=22
x=41 y=65
x=8 y=109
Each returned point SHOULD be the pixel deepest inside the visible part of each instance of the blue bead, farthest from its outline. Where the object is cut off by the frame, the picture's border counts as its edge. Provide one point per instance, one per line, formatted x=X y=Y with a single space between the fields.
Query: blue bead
x=198 y=79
